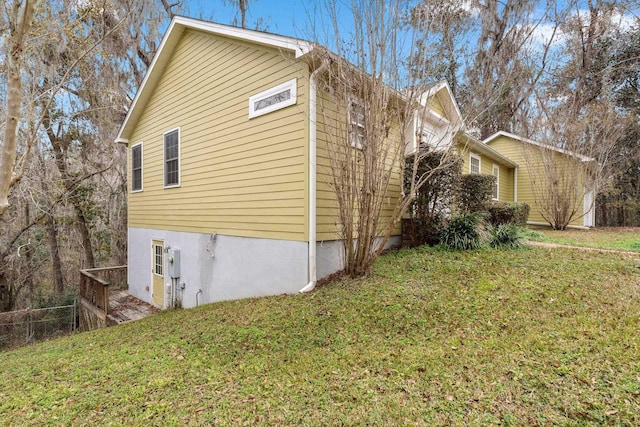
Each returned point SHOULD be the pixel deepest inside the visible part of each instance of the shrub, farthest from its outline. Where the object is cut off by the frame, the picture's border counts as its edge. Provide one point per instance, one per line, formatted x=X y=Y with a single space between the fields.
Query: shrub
x=507 y=235
x=464 y=232
x=507 y=213
x=434 y=199
x=474 y=194
x=422 y=231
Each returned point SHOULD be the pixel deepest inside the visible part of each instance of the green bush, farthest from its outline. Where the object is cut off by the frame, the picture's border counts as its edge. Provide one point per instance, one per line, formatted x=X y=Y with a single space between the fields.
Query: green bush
x=421 y=231
x=474 y=193
x=507 y=235
x=507 y=213
x=464 y=232
x=433 y=201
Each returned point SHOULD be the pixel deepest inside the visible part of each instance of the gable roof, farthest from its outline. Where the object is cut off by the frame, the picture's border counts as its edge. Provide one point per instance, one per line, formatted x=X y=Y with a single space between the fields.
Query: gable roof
x=477 y=145
x=493 y=137
x=171 y=38
x=442 y=91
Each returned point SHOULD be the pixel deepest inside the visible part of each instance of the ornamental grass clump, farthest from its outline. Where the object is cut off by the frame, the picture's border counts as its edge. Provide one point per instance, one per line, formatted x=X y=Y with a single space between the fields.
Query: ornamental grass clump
x=465 y=232
x=506 y=235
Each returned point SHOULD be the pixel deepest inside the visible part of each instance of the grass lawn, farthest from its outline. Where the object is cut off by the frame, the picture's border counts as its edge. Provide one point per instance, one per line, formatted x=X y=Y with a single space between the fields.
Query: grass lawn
x=530 y=337
x=623 y=239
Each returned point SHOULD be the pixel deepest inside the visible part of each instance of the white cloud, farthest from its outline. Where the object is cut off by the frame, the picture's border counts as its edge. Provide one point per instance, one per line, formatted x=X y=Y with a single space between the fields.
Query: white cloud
x=543 y=33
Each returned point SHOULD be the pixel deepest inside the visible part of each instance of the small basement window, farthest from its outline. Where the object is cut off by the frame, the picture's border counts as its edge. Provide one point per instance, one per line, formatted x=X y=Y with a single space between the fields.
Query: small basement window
x=273 y=99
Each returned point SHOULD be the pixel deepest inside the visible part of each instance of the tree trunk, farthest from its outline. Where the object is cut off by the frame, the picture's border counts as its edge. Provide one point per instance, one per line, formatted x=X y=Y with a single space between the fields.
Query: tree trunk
x=60 y=146
x=56 y=265
x=5 y=294
x=19 y=28
x=27 y=253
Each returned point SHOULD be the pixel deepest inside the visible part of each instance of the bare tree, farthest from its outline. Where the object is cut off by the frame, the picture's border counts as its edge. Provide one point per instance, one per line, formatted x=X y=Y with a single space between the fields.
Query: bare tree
x=370 y=108
x=242 y=7
x=79 y=75
x=18 y=17
x=577 y=112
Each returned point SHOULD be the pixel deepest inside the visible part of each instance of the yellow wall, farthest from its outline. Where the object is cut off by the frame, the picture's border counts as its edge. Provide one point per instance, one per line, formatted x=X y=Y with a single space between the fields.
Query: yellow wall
x=529 y=159
x=435 y=105
x=239 y=176
x=331 y=122
x=505 y=183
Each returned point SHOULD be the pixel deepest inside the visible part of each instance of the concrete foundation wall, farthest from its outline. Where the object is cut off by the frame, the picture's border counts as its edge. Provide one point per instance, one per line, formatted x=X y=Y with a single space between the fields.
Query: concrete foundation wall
x=330 y=255
x=228 y=267
x=220 y=268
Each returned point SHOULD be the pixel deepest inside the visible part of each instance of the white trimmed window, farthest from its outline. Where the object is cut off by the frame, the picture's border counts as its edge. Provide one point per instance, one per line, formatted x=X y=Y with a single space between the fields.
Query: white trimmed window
x=172 y=158
x=496 y=185
x=158 y=260
x=474 y=163
x=273 y=99
x=136 y=167
x=356 y=124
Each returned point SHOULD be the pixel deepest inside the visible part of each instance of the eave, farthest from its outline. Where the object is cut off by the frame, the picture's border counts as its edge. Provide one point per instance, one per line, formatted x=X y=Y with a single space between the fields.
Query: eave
x=493 y=137
x=178 y=26
x=479 y=147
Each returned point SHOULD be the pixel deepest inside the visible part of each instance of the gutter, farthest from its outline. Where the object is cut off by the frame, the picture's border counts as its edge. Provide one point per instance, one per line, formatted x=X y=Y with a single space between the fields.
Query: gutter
x=313 y=90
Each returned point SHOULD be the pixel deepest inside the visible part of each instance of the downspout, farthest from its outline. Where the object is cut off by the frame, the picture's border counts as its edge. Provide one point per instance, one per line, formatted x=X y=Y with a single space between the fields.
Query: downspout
x=515 y=184
x=313 y=86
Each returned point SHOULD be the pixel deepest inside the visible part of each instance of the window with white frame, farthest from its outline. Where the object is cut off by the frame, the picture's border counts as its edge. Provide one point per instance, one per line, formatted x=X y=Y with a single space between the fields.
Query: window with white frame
x=496 y=185
x=158 y=260
x=273 y=99
x=474 y=163
x=136 y=167
x=356 y=124
x=172 y=158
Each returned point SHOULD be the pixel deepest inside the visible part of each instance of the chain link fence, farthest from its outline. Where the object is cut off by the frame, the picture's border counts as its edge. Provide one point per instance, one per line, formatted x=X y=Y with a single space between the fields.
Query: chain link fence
x=27 y=326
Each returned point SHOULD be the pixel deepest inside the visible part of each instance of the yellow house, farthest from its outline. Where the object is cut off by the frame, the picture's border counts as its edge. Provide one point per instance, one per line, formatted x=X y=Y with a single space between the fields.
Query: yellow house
x=479 y=158
x=441 y=126
x=228 y=182
x=549 y=179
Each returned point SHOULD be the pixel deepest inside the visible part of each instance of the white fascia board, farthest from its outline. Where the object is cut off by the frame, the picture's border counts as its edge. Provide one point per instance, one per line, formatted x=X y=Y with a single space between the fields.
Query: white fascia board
x=488 y=151
x=177 y=26
x=298 y=46
x=582 y=157
x=450 y=104
x=161 y=56
x=453 y=104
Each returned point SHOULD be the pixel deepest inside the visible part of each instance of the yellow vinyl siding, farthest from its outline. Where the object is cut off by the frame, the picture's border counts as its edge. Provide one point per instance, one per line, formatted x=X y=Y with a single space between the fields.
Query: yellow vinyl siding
x=435 y=105
x=327 y=215
x=238 y=176
x=505 y=188
x=328 y=132
x=529 y=160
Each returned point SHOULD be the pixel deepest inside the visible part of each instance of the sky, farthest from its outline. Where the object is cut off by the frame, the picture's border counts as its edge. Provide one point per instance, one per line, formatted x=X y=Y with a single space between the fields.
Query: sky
x=296 y=18
x=285 y=17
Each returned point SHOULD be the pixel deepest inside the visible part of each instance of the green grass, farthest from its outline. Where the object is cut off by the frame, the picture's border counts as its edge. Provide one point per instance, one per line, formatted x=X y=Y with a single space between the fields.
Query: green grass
x=529 y=337
x=622 y=239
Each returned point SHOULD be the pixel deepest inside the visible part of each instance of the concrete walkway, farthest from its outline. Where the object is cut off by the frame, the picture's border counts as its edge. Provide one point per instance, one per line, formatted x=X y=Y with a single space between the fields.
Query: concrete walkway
x=583 y=248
